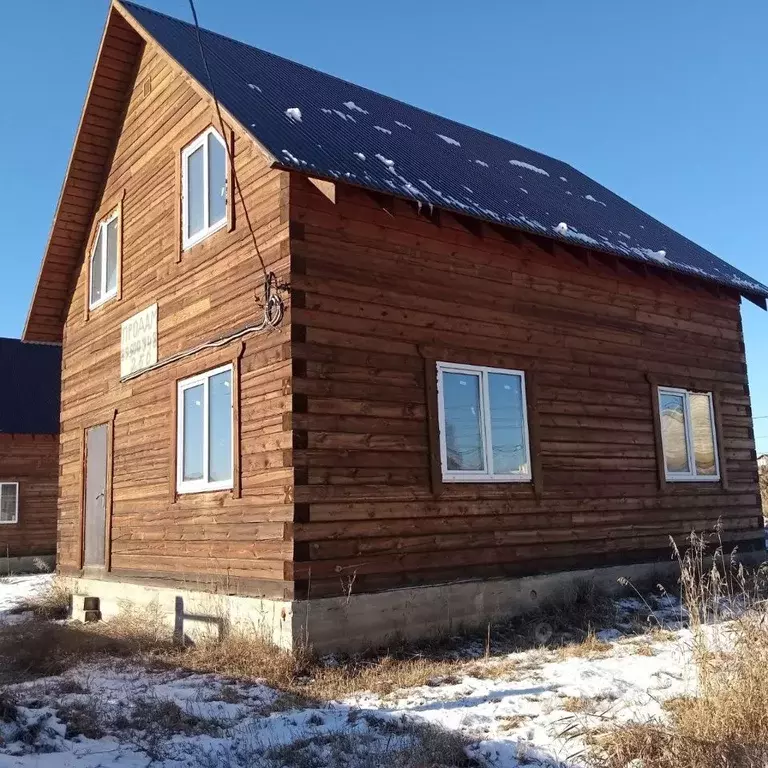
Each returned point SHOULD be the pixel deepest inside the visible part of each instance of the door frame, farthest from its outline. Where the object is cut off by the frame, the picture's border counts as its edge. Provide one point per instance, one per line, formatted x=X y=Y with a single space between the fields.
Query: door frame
x=107 y=419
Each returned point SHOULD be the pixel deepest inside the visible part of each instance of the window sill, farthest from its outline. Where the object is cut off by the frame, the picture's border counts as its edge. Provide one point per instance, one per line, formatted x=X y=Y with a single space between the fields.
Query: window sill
x=486 y=479
x=695 y=479
x=102 y=302
x=201 y=237
x=210 y=488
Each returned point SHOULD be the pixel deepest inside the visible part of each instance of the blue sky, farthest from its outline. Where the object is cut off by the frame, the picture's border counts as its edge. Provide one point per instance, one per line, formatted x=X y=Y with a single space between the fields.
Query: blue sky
x=662 y=102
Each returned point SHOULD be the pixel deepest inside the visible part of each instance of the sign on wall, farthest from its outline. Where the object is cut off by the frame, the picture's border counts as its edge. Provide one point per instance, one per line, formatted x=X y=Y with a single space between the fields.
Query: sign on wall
x=138 y=342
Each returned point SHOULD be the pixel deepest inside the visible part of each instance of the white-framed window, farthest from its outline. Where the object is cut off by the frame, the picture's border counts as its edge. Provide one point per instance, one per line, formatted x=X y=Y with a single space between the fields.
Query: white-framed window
x=483 y=424
x=9 y=503
x=688 y=435
x=205 y=451
x=104 y=262
x=203 y=187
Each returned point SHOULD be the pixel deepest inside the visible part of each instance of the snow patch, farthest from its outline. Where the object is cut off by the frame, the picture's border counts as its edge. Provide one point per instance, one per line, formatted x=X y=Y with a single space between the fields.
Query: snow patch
x=293 y=113
x=254 y=87
x=403 y=125
x=660 y=256
x=528 y=166
x=295 y=160
x=344 y=116
x=523 y=190
x=593 y=200
x=360 y=155
x=562 y=228
x=449 y=140
x=580 y=236
x=383 y=130
x=482 y=162
x=352 y=107
x=562 y=178
x=624 y=235
x=389 y=163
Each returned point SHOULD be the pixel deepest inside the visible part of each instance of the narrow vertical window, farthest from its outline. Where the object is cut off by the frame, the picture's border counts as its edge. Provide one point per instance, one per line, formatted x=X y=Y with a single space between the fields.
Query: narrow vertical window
x=204 y=187
x=9 y=503
x=483 y=424
x=204 y=432
x=688 y=436
x=105 y=262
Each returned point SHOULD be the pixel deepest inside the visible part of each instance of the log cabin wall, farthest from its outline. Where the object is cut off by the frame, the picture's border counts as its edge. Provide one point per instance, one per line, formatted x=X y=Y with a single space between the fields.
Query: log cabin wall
x=236 y=540
x=381 y=292
x=32 y=462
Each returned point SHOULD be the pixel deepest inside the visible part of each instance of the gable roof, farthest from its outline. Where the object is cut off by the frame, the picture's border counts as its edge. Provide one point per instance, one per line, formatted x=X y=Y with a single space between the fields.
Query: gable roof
x=326 y=127
x=29 y=387
x=307 y=121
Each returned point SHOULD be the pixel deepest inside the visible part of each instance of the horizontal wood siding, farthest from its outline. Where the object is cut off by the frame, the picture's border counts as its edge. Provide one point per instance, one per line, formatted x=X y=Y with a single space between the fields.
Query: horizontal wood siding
x=377 y=295
x=236 y=540
x=32 y=462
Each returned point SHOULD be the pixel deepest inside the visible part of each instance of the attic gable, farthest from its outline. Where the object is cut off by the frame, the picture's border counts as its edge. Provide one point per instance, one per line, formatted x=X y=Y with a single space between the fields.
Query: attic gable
x=101 y=121
x=102 y=115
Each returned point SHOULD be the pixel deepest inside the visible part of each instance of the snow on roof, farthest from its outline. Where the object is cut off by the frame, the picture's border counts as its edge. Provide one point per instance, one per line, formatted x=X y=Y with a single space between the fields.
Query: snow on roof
x=465 y=157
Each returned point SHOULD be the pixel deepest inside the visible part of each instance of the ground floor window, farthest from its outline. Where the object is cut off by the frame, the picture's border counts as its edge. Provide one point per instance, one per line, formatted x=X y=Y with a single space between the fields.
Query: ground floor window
x=483 y=424
x=204 y=432
x=688 y=435
x=9 y=502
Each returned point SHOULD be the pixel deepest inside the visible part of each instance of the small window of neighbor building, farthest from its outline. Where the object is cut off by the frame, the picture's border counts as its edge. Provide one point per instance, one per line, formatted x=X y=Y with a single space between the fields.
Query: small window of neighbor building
x=9 y=503
x=204 y=432
x=483 y=424
x=204 y=187
x=688 y=435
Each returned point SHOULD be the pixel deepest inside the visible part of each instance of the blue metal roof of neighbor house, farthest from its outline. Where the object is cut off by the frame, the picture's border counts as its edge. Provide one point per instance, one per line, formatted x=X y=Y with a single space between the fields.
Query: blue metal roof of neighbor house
x=30 y=386
x=326 y=127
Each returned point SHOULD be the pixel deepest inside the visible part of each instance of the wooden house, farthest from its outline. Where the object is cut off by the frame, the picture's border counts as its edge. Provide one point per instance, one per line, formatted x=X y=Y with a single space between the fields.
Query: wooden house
x=29 y=454
x=362 y=369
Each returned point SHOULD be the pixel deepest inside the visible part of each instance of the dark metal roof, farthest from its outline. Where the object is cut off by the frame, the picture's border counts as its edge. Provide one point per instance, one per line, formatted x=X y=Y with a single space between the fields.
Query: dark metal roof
x=30 y=386
x=326 y=127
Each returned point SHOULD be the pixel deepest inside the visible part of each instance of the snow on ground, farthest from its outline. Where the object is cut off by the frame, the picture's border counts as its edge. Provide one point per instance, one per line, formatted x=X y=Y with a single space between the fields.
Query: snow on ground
x=17 y=590
x=519 y=709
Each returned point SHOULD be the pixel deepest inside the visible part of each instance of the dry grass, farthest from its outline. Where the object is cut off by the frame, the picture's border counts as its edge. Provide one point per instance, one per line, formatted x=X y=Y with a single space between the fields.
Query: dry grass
x=52 y=603
x=37 y=649
x=589 y=648
x=726 y=724
x=409 y=744
x=577 y=704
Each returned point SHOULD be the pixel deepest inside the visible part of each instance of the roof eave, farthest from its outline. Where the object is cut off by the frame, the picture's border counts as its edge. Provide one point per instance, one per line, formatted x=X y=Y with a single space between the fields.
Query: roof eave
x=66 y=176
x=759 y=299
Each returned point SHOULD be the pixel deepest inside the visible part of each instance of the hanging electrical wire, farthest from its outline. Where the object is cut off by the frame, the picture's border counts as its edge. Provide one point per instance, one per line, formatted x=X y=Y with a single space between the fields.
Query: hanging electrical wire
x=273 y=307
x=272 y=300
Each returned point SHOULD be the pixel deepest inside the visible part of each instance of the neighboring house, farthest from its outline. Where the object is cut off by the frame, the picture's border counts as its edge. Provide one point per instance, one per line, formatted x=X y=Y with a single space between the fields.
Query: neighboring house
x=476 y=363
x=29 y=453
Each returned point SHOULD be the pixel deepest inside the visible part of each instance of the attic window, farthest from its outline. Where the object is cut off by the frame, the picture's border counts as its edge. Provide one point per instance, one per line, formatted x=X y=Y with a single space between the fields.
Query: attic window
x=204 y=187
x=104 y=258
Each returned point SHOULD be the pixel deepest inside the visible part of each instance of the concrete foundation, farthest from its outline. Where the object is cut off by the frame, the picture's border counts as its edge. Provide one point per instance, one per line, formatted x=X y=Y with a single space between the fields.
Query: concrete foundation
x=27 y=564
x=363 y=621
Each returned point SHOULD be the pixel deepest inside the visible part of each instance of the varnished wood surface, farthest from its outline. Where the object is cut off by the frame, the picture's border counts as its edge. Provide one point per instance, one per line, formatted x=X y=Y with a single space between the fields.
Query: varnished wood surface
x=31 y=461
